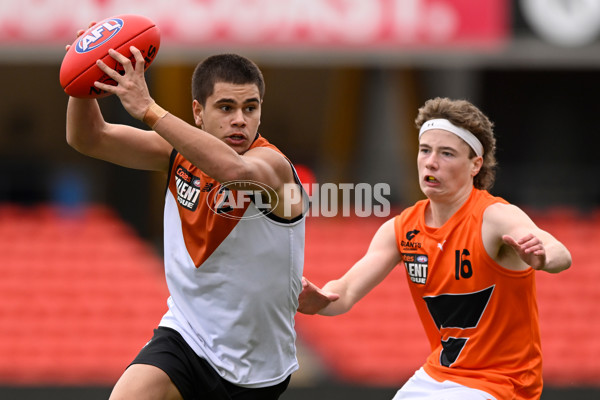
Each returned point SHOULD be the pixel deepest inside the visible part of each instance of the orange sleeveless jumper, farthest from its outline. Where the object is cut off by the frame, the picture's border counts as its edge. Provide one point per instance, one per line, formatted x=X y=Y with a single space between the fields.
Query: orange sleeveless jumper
x=481 y=319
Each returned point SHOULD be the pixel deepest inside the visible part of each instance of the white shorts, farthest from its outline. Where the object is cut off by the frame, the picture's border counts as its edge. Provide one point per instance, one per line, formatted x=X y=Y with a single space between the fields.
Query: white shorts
x=423 y=387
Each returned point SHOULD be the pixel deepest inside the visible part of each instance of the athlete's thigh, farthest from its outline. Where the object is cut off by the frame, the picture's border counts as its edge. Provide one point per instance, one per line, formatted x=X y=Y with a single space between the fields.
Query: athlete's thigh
x=145 y=382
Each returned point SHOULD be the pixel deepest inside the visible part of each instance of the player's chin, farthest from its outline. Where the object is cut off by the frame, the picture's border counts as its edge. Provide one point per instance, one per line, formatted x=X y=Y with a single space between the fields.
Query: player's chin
x=428 y=188
x=240 y=147
x=434 y=192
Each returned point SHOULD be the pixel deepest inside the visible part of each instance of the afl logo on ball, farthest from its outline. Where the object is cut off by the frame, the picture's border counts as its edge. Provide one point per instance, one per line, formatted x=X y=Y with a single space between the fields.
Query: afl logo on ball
x=98 y=35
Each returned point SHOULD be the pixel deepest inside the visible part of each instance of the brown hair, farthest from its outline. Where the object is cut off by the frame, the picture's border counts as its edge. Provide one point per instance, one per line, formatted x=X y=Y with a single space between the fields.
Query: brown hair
x=465 y=115
x=229 y=68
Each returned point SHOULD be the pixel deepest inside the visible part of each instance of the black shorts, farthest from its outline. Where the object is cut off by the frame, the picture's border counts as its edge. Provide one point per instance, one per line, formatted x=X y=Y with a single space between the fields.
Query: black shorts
x=194 y=376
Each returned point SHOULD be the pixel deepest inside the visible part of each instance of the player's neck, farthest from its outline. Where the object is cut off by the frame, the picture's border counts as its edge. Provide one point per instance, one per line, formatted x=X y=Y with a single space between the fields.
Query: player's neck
x=439 y=211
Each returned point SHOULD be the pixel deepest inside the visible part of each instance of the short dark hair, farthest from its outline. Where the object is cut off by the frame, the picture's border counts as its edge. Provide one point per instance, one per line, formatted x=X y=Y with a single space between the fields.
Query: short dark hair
x=464 y=114
x=229 y=68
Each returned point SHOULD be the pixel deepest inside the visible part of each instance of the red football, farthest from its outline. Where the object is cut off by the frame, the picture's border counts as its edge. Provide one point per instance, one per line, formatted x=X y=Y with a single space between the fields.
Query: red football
x=78 y=70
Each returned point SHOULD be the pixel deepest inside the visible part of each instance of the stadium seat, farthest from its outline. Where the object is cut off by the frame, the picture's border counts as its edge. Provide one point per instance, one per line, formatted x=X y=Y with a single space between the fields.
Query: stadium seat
x=79 y=295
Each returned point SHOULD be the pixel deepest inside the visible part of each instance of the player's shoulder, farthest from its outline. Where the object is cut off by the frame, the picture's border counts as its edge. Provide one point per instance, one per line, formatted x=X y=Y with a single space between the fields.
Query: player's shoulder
x=502 y=207
x=503 y=214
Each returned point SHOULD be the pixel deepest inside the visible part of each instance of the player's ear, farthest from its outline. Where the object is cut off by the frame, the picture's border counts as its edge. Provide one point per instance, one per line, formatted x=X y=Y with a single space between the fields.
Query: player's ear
x=197 y=110
x=477 y=164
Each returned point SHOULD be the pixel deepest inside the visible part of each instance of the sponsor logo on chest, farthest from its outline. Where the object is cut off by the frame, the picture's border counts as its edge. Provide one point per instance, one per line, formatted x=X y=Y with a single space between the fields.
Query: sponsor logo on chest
x=417 y=266
x=187 y=188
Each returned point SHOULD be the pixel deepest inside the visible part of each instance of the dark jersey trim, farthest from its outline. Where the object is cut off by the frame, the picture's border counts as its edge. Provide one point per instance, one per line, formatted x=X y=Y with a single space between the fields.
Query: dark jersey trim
x=171 y=163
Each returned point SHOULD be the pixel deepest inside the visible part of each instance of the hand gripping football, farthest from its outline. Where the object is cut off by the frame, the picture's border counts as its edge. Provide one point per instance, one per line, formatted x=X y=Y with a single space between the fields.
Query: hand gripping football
x=79 y=71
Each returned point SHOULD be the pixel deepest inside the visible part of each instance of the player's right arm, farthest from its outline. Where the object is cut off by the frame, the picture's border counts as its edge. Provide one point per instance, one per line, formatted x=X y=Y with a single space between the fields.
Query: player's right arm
x=381 y=257
x=90 y=134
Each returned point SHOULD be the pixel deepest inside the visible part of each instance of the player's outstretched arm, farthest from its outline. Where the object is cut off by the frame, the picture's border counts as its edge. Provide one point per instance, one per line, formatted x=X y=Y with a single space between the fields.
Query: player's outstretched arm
x=312 y=299
x=517 y=234
x=541 y=251
x=381 y=257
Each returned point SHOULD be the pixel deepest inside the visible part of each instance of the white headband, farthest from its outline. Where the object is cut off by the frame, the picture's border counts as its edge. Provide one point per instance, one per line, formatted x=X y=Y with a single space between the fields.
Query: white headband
x=462 y=133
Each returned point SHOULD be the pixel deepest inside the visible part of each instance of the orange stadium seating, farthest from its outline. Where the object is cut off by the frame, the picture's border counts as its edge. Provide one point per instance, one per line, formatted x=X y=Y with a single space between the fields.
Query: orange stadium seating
x=80 y=292
x=79 y=295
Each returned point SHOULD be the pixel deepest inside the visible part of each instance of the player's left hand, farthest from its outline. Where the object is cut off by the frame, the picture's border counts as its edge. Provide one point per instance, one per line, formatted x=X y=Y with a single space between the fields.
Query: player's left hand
x=312 y=299
x=530 y=248
x=131 y=85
